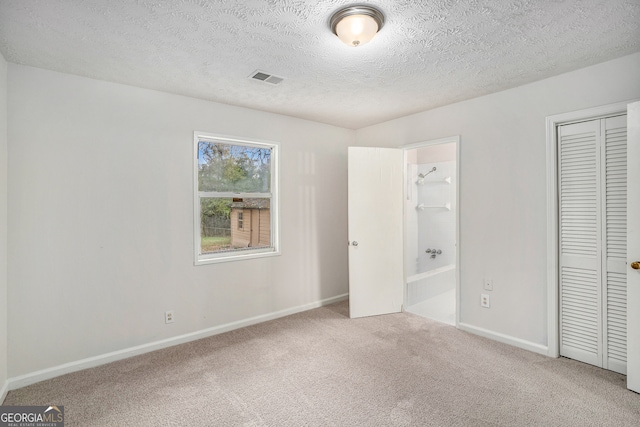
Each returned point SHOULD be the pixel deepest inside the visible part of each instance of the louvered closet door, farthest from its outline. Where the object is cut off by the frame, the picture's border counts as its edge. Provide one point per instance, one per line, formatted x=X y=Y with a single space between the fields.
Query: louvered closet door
x=614 y=135
x=580 y=230
x=592 y=222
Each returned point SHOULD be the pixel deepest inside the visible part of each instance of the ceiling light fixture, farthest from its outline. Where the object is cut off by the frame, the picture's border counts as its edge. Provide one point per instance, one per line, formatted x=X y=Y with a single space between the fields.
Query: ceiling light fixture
x=356 y=25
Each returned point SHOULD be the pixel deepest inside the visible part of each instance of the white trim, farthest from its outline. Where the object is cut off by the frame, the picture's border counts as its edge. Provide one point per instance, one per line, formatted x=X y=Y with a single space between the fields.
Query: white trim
x=451 y=139
x=458 y=235
x=446 y=140
x=506 y=339
x=3 y=391
x=45 y=374
x=552 y=122
x=230 y=195
x=553 y=347
x=274 y=195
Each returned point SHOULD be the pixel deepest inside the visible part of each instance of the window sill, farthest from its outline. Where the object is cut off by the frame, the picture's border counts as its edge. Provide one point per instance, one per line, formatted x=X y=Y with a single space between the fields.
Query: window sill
x=229 y=257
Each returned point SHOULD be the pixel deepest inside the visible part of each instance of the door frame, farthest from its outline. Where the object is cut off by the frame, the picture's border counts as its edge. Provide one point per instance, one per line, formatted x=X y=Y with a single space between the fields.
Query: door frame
x=552 y=123
x=405 y=148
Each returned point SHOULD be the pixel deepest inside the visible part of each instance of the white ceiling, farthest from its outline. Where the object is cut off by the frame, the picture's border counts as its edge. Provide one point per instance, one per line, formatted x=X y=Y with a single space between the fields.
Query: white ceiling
x=428 y=54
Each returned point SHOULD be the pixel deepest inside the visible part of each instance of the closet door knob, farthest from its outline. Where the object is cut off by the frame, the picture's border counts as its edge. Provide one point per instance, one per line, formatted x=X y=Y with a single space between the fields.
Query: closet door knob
x=635 y=265
x=354 y=243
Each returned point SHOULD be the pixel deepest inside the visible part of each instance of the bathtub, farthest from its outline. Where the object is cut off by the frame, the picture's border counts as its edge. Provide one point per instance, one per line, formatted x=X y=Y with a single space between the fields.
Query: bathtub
x=423 y=286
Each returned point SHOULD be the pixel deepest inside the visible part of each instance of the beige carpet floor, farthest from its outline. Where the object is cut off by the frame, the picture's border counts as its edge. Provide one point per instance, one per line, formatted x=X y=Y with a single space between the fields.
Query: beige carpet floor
x=319 y=368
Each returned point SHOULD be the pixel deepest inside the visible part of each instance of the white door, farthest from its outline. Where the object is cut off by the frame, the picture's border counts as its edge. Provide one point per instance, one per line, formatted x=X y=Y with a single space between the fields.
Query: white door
x=375 y=231
x=633 y=247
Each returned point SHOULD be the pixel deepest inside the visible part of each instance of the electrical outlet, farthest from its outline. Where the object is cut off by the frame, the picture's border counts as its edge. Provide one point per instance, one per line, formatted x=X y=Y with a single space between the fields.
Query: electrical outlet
x=485 y=301
x=487 y=284
x=168 y=316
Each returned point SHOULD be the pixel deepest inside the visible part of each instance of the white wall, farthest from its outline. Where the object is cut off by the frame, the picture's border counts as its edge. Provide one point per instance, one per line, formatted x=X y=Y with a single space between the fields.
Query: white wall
x=503 y=186
x=101 y=221
x=436 y=153
x=3 y=225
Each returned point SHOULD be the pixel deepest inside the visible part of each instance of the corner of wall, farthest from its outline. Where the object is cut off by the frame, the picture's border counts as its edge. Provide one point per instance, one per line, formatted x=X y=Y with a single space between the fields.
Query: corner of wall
x=3 y=228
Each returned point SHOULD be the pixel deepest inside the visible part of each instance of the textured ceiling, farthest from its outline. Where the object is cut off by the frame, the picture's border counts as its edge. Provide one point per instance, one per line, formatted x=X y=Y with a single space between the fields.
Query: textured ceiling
x=428 y=54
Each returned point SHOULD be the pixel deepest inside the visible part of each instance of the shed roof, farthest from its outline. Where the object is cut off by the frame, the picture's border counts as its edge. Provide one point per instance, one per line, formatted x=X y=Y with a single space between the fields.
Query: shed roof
x=251 y=204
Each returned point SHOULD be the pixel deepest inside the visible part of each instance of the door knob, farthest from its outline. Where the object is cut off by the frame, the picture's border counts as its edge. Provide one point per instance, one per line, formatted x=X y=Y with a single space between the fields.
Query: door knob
x=354 y=243
x=635 y=265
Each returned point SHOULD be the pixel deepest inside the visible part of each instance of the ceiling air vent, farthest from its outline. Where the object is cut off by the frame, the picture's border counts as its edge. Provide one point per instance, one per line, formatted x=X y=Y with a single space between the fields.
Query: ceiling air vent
x=265 y=77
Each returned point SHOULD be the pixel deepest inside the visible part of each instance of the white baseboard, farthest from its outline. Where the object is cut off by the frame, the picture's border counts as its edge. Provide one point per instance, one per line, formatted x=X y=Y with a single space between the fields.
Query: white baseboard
x=3 y=391
x=506 y=339
x=45 y=374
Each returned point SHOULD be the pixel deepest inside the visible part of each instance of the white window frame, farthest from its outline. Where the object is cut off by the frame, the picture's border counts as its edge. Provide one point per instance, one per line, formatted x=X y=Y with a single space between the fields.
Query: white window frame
x=226 y=256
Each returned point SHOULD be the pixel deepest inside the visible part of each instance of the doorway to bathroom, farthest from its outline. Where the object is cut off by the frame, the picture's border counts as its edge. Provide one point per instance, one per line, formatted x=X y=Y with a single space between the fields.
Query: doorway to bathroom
x=431 y=224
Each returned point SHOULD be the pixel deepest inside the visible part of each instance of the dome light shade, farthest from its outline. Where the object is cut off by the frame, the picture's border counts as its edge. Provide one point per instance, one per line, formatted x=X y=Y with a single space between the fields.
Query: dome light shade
x=356 y=25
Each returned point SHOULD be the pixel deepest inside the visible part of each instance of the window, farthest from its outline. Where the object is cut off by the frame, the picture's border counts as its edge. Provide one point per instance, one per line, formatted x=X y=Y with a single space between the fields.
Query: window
x=240 y=225
x=235 y=184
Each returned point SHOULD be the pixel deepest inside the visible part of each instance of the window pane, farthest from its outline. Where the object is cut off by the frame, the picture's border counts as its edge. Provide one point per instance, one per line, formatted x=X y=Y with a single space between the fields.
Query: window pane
x=233 y=168
x=215 y=224
x=229 y=225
